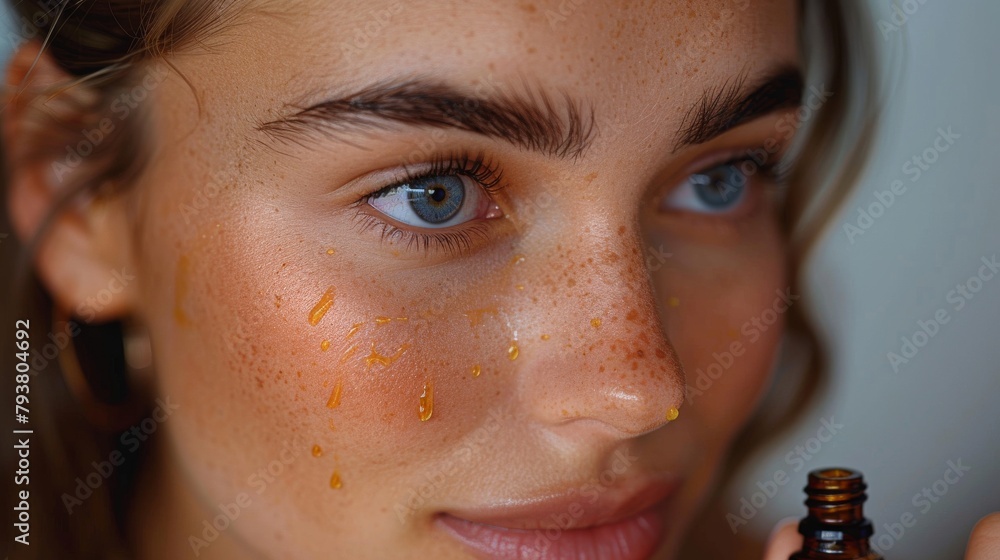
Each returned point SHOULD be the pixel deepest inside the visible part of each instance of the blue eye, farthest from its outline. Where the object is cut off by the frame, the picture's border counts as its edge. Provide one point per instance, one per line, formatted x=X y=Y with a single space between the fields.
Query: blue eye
x=436 y=201
x=718 y=190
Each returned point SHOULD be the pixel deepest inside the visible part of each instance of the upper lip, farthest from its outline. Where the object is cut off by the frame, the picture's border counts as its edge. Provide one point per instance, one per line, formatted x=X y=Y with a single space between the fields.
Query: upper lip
x=600 y=505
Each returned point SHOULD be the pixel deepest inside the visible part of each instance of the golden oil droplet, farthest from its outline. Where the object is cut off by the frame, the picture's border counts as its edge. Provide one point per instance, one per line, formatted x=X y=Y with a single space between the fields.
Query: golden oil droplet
x=518 y=259
x=674 y=301
x=382 y=320
x=330 y=251
x=334 y=400
x=335 y=481
x=348 y=353
x=476 y=370
x=317 y=451
x=354 y=329
x=325 y=345
x=322 y=306
x=426 y=402
x=545 y=337
x=672 y=414
x=520 y=286
x=402 y=318
x=595 y=322
x=513 y=350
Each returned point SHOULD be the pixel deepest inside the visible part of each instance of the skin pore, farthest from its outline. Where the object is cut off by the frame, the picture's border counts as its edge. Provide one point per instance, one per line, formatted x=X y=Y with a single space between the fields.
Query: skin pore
x=291 y=327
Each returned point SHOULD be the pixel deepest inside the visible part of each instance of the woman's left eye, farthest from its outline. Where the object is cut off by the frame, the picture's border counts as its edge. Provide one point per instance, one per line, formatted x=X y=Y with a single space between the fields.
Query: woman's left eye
x=718 y=190
x=437 y=201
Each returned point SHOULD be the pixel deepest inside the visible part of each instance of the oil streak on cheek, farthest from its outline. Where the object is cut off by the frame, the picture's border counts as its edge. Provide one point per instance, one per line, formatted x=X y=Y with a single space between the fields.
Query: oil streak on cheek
x=322 y=306
x=426 y=408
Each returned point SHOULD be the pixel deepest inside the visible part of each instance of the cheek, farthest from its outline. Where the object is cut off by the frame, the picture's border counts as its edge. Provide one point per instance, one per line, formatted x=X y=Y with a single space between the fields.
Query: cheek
x=725 y=313
x=276 y=342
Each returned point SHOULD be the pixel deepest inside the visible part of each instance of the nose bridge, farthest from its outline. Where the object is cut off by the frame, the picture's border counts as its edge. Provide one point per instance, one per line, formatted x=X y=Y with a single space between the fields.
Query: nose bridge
x=607 y=358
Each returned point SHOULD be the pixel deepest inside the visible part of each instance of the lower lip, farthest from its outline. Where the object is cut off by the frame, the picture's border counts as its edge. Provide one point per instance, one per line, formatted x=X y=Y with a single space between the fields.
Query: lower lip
x=632 y=538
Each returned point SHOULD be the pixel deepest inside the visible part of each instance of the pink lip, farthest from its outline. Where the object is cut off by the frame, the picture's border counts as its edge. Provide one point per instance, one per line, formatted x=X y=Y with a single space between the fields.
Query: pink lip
x=616 y=524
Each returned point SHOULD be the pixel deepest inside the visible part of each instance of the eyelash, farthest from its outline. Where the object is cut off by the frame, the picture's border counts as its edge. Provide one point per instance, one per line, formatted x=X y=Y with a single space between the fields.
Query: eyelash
x=488 y=175
x=485 y=172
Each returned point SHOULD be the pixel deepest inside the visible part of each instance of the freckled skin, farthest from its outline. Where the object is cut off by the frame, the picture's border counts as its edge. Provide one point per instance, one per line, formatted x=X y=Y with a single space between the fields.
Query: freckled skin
x=601 y=356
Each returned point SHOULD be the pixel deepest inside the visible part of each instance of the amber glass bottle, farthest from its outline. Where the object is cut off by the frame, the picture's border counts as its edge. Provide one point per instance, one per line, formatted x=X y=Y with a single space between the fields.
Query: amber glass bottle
x=835 y=526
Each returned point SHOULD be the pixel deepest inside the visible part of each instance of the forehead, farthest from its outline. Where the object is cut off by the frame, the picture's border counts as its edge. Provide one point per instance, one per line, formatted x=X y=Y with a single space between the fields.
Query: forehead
x=635 y=63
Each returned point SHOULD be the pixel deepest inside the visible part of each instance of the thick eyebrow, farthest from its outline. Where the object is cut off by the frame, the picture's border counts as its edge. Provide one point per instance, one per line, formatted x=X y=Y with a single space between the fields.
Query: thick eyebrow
x=530 y=119
x=732 y=104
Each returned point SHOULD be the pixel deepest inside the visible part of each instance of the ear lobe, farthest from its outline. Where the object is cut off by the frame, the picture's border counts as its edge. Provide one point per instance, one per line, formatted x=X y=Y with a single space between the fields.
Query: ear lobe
x=83 y=256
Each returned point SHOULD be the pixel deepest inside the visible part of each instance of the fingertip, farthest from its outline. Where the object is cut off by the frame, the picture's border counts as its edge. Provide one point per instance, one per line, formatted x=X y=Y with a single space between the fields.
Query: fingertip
x=784 y=540
x=984 y=542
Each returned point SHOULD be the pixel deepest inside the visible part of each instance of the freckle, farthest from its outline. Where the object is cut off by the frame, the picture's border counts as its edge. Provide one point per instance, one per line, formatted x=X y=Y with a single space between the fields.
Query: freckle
x=330 y=251
x=733 y=334
x=322 y=306
x=640 y=353
x=621 y=230
x=317 y=451
x=632 y=315
x=334 y=400
x=475 y=316
x=426 y=408
x=354 y=329
x=571 y=282
x=595 y=322
x=660 y=354
x=674 y=301
x=476 y=370
x=545 y=337
x=277 y=301
x=325 y=345
x=672 y=414
x=564 y=412
x=635 y=366
x=512 y=350
x=335 y=481
x=601 y=369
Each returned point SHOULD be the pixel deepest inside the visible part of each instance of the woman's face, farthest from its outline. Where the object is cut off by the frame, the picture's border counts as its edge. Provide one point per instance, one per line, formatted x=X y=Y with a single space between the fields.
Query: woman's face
x=417 y=270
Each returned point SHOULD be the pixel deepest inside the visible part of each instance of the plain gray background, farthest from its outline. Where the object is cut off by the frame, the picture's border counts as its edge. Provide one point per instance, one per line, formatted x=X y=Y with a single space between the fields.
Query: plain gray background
x=901 y=428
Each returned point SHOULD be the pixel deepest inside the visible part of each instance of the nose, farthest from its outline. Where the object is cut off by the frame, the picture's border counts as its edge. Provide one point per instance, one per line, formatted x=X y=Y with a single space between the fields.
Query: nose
x=605 y=362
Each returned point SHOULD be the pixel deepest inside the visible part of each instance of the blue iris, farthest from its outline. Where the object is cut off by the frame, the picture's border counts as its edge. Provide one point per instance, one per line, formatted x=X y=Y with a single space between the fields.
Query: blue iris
x=720 y=186
x=436 y=199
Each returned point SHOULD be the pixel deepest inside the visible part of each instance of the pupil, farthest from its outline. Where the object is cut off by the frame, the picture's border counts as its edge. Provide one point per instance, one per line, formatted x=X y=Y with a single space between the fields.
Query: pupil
x=437 y=194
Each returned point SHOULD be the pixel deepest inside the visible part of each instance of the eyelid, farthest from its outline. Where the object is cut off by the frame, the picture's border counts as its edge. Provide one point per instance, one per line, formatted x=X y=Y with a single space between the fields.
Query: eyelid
x=481 y=171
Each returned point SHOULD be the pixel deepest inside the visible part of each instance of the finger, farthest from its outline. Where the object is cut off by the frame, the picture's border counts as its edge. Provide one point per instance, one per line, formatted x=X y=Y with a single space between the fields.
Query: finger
x=984 y=543
x=785 y=540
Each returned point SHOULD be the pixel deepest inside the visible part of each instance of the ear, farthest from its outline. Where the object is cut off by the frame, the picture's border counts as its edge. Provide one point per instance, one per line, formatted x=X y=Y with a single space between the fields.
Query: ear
x=83 y=254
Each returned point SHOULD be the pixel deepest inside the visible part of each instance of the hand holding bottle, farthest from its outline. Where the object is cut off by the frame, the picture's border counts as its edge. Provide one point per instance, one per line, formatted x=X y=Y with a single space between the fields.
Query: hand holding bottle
x=984 y=543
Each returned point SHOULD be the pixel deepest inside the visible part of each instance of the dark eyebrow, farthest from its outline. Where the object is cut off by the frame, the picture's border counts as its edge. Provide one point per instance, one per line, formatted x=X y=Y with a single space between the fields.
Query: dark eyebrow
x=530 y=119
x=733 y=104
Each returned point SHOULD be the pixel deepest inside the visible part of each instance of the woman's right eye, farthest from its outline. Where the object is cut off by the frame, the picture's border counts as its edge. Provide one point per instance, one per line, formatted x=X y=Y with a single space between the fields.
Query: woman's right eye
x=721 y=190
x=437 y=201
